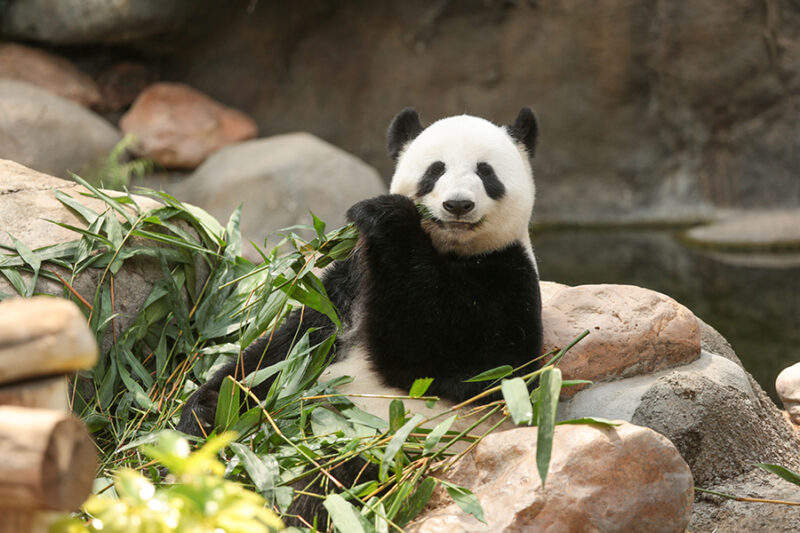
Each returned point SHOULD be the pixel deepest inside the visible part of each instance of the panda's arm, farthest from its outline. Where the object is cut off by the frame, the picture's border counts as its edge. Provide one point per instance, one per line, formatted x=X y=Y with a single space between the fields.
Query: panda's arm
x=394 y=243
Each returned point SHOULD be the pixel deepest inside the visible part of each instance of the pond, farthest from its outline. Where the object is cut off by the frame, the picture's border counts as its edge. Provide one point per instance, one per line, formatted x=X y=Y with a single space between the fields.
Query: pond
x=752 y=300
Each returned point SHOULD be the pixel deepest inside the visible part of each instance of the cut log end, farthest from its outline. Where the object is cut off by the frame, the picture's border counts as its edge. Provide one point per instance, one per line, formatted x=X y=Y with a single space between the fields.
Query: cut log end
x=47 y=460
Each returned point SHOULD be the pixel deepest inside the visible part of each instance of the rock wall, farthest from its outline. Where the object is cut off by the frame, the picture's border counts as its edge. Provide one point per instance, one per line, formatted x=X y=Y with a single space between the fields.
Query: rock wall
x=649 y=109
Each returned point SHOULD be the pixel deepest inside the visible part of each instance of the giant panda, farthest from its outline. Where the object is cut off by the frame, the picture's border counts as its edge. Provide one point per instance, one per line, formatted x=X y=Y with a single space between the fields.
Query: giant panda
x=446 y=295
x=443 y=281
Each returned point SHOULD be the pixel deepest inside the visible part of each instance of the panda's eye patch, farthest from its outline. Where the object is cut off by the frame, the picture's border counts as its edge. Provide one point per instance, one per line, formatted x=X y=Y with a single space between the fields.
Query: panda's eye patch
x=493 y=186
x=433 y=173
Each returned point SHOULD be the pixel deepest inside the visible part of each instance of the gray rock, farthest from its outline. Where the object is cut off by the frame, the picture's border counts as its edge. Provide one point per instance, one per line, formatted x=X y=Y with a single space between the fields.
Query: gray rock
x=92 y=21
x=49 y=133
x=621 y=400
x=279 y=180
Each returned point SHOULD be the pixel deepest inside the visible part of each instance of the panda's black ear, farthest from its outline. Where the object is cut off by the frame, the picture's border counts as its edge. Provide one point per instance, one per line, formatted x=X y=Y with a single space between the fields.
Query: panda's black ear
x=403 y=128
x=525 y=130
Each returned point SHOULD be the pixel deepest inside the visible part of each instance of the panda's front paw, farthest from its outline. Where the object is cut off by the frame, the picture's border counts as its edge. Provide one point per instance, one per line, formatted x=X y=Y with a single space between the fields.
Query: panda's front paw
x=197 y=417
x=388 y=210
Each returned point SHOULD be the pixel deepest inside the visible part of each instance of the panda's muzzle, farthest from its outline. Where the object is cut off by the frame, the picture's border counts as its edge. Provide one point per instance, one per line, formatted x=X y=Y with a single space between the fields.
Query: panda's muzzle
x=458 y=207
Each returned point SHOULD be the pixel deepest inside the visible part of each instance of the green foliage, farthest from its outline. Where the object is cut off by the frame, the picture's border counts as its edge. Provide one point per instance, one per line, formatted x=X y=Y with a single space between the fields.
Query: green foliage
x=200 y=500
x=303 y=429
x=116 y=171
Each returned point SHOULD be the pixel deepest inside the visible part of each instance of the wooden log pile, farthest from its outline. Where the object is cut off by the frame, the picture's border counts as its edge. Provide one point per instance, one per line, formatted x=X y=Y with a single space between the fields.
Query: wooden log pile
x=47 y=458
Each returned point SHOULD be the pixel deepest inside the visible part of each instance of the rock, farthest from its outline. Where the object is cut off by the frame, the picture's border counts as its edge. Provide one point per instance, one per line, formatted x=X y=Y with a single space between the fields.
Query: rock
x=751 y=230
x=788 y=386
x=49 y=133
x=178 y=126
x=280 y=179
x=48 y=71
x=92 y=21
x=620 y=399
x=549 y=289
x=721 y=422
x=601 y=479
x=631 y=331
x=27 y=198
x=43 y=336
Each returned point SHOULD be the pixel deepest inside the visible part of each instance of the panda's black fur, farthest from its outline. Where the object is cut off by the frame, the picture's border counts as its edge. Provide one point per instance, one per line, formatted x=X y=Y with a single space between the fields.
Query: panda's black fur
x=416 y=310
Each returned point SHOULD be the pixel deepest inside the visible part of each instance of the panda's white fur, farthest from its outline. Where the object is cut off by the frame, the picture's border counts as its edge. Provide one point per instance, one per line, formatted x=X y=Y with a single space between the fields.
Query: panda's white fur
x=461 y=142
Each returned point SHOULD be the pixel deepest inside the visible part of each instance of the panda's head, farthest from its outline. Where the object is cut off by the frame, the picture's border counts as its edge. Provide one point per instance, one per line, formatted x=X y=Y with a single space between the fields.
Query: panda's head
x=473 y=178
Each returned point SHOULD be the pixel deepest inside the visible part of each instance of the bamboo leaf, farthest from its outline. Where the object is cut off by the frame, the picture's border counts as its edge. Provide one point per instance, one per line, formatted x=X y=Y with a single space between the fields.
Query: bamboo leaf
x=465 y=499
x=437 y=433
x=419 y=387
x=515 y=393
x=263 y=470
x=397 y=415
x=344 y=516
x=416 y=502
x=397 y=442
x=590 y=420
x=549 y=389
x=88 y=215
x=492 y=374
x=227 y=405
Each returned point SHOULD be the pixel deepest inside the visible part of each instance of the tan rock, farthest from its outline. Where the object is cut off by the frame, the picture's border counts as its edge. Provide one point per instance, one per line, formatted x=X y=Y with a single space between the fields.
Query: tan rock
x=627 y=478
x=48 y=71
x=28 y=205
x=178 y=126
x=787 y=385
x=43 y=336
x=632 y=331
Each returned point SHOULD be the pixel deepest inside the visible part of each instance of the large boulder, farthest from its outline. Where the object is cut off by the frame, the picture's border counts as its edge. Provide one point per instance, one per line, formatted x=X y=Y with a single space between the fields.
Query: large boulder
x=632 y=331
x=92 y=21
x=180 y=127
x=28 y=210
x=48 y=71
x=49 y=133
x=279 y=180
x=601 y=479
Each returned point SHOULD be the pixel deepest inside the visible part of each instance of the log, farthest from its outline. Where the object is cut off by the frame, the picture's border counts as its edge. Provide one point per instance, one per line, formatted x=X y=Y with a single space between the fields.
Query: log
x=47 y=460
x=43 y=336
x=45 y=393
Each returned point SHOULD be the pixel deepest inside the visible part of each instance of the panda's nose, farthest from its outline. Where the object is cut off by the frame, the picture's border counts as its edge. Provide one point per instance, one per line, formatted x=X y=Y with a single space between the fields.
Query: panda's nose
x=458 y=207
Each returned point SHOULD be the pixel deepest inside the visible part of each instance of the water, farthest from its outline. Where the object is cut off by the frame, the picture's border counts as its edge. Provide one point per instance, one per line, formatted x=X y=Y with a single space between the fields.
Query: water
x=753 y=301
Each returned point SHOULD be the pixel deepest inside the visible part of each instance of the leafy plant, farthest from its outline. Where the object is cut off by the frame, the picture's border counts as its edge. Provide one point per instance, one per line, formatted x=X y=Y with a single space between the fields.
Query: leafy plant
x=116 y=170
x=200 y=500
x=304 y=429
